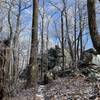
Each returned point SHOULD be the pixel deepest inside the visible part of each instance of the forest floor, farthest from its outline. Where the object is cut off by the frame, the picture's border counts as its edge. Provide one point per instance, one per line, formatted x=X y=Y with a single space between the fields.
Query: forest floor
x=69 y=88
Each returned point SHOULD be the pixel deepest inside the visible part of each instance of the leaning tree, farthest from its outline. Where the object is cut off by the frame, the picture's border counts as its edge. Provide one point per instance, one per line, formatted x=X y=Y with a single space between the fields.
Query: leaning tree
x=93 y=25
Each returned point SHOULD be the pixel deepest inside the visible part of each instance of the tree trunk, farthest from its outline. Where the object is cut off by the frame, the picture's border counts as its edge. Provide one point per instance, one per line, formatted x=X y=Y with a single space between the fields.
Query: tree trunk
x=2 y=61
x=16 y=43
x=11 y=43
x=4 y=65
x=62 y=42
x=33 y=67
x=42 y=41
x=92 y=24
x=75 y=36
x=67 y=32
x=81 y=29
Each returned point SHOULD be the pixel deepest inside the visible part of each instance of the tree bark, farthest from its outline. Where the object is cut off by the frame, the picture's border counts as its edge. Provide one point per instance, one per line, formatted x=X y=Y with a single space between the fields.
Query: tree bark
x=75 y=36
x=67 y=32
x=33 y=67
x=62 y=42
x=2 y=61
x=81 y=29
x=4 y=65
x=11 y=43
x=16 y=43
x=42 y=40
x=92 y=24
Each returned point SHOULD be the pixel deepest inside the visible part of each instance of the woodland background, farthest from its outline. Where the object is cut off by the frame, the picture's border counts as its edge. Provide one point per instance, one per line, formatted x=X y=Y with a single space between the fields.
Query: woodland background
x=49 y=42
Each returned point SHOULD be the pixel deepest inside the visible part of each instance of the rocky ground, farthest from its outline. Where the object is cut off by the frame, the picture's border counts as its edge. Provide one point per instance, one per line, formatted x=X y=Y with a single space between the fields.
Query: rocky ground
x=75 y=88
x=69 y=88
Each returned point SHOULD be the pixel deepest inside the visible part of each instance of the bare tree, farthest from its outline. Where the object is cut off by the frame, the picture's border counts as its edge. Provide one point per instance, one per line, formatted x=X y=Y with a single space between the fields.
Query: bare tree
x=33 y=67
x=62 y=41
x=16 y=41
x=67 y=31
x=75 y=34
x=42 y=36
x=93 y=25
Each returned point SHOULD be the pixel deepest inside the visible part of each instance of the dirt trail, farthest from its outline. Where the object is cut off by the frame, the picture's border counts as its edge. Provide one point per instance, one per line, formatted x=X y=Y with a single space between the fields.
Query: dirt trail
x=73 y=88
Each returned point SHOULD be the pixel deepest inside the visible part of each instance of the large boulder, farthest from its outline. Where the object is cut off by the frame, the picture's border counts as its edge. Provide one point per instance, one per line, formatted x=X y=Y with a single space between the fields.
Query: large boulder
x=90 y=63
x=56 y=69
x=96 y=60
